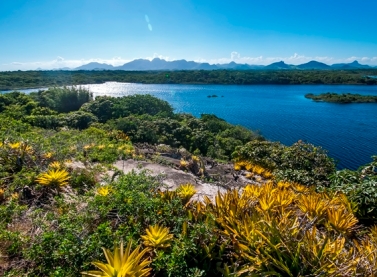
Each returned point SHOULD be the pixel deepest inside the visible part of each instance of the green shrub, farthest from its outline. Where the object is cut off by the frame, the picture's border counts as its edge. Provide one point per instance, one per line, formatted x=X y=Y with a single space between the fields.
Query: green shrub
x=62 y=100
x=360 y=186
x=302 y=162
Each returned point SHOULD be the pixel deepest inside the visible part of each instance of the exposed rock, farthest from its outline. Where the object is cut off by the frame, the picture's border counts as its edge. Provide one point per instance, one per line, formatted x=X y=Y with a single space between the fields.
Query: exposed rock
x=173 y=177
x=222 y=178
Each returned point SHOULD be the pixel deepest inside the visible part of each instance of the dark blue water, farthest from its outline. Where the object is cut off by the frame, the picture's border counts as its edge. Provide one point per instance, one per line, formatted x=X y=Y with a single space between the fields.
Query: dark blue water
x=280 y=113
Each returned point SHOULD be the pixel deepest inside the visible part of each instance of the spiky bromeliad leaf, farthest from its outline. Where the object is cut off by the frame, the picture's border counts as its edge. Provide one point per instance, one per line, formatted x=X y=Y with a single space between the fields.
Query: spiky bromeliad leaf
x=122 y=263
x=54 y=177
x=157 y=237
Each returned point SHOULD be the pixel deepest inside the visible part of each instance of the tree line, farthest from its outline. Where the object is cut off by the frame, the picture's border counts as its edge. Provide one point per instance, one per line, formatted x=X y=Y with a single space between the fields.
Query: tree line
x=36 y=79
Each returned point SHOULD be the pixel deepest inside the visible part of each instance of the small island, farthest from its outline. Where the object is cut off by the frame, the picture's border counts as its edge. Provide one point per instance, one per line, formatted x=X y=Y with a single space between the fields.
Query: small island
x=343 y=98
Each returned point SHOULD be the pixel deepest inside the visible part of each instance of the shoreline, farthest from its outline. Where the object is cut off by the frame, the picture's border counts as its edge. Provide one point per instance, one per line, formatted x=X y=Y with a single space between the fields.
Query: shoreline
x=5 y=90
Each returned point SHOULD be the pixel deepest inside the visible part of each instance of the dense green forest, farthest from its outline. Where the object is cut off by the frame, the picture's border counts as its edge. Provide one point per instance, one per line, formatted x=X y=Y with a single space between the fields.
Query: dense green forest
x=343 y=98
x=61 y=215
x=37 y=79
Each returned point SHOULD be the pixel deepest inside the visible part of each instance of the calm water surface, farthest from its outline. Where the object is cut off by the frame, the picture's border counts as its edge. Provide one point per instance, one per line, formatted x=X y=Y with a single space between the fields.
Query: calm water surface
x=280 y=113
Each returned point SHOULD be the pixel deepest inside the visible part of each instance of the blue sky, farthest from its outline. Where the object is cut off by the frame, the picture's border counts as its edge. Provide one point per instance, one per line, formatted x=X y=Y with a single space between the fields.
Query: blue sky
x=56 y=33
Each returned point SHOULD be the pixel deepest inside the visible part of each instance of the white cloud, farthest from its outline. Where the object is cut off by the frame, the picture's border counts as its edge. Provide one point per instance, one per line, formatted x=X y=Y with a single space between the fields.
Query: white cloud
x=363 y=60
x=234 y=55
x=351 y=59
x=155 y=55
x=60 y=62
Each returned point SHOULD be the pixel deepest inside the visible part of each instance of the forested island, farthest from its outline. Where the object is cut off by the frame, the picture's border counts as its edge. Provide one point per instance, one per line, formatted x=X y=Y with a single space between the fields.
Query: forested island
x=343 y=98
x=68 y=207
x=38 y=79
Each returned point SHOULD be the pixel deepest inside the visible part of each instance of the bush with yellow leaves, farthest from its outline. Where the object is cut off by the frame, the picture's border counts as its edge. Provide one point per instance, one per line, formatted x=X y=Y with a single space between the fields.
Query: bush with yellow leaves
x=285 y=230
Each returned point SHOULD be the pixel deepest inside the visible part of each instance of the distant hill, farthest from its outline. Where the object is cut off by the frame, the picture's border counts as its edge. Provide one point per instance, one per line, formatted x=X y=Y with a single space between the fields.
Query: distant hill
x=279 y=65
x=236 y=66
x=161 y=64
x=313 y=65
x=95 y=66
x=353 y=65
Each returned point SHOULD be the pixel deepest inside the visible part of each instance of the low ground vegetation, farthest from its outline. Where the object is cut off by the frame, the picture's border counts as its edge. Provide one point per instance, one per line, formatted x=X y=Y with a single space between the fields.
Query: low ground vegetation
x=63 y=214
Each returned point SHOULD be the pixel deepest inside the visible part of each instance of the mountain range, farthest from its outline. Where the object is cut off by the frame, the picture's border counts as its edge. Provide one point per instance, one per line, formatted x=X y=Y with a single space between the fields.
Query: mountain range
x=160 y=64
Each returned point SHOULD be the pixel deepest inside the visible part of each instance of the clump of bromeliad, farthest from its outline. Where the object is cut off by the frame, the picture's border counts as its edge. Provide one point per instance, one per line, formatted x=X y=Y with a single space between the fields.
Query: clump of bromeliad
x=273 y=229
x=287 y=229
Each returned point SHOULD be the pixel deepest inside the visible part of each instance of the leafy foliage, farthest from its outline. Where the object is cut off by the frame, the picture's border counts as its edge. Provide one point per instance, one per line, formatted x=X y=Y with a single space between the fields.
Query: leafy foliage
x=361 y=188
x=62 y=100
x=213 y=137
x=302 y=162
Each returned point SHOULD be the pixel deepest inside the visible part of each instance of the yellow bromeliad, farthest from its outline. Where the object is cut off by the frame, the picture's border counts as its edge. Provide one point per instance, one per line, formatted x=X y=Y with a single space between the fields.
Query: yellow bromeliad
x=267 y=174
x=251 y=191
x=104 y=190
x=183 y=163
x=283 y=199
x=1 y=194
x=168 y=195
x=55 y=165
x=48 y=155
x=53 y=177
x=299 y=188
x=313 y=205
x=341 y=220
x=328 y=253
x=122 y=263
x=368 y=251
x=267 y=201
x=157 y=237
x=186 y=191
x=249 y=175
x=87 y=147
x=283 y=185
x=253 y=168
x=195 y=159
x=15 y=145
